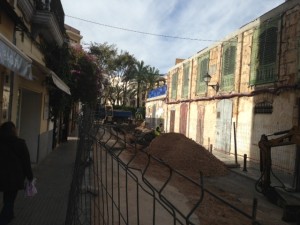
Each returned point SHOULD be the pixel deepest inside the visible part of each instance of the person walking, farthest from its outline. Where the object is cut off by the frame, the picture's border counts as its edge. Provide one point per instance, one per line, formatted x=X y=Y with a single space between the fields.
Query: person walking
x=15 y=167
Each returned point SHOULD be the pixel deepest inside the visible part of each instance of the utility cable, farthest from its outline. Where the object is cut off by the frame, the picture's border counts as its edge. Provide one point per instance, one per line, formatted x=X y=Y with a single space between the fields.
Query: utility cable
x=147 y=33
x=143 y=32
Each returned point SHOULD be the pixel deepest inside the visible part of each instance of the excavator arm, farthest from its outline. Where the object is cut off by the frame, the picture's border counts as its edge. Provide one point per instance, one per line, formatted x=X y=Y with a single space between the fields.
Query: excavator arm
x=289 y=137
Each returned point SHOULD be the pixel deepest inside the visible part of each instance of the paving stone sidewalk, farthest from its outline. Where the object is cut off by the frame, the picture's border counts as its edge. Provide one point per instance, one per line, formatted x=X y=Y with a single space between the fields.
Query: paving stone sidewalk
x=54 y=175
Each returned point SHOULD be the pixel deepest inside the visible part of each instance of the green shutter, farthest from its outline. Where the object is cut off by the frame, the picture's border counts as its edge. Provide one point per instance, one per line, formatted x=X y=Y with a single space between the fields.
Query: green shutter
x=185 y=82
x=174 y=85
x=228 y=64
x=202 y=69
x=264 y=53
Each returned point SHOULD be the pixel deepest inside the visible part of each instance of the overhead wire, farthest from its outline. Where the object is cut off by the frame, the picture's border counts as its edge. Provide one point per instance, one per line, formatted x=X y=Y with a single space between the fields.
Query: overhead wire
x=143 y=32
x=147 y=33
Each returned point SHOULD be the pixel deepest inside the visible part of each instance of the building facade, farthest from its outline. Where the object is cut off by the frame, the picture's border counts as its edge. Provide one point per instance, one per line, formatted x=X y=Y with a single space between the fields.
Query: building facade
x=24 y=26
x=229 y=94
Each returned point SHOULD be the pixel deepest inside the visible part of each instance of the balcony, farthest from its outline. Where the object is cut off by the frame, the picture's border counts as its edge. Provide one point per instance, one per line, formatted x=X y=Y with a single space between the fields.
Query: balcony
x=46 y=17
x=26 y=6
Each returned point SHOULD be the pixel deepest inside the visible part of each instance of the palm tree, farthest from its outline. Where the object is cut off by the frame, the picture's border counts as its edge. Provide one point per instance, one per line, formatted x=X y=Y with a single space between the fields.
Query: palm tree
x=138 y=74
x=152 y=77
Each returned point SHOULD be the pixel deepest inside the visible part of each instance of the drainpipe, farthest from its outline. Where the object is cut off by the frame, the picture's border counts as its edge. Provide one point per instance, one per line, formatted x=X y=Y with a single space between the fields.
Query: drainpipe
x=11 y=84
x=167 y=123
x=239 y=79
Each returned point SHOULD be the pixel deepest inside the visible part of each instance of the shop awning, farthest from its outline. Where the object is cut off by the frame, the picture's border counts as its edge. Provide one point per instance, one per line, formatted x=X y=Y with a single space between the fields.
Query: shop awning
x=14 y=59
x=56 y=80
x=59 y=83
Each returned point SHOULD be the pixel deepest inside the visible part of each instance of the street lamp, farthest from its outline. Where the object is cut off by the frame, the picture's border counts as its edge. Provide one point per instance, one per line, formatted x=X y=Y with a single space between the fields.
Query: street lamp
x=207 y=79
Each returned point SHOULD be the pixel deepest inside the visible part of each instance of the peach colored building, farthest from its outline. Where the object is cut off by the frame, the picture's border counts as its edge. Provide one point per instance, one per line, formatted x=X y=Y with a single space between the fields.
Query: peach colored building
x=253 y=89
x=23 y=91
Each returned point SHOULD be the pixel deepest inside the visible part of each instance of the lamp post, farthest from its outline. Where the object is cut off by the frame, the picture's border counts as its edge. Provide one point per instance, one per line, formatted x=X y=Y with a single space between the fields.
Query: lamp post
x=207 y=79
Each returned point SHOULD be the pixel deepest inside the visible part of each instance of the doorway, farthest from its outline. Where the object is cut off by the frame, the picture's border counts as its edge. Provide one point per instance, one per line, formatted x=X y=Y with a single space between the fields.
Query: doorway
x=223 y=125
x=29 y=121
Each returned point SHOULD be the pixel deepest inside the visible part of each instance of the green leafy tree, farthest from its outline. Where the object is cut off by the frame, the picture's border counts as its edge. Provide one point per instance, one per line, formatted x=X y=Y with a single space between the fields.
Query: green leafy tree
x=105 y=56
x=114 y=66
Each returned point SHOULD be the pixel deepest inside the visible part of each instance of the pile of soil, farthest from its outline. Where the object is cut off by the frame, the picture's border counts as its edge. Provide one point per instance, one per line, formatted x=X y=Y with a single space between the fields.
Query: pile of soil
x=186 y=156
x=189 y=158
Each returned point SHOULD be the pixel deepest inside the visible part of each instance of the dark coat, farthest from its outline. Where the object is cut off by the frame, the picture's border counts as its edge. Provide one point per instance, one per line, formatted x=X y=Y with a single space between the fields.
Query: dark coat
x=15 y=164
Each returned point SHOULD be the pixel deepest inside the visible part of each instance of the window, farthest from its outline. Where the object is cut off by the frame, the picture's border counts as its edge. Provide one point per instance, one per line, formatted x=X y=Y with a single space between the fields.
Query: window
x=264 y=53
x=174 y=86
x=185 y=80
x=202 y=69
x=263 y=108
x=228 y=64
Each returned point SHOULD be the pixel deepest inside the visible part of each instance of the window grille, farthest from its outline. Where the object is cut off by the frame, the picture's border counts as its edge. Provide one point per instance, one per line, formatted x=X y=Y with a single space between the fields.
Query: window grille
x=263 y=108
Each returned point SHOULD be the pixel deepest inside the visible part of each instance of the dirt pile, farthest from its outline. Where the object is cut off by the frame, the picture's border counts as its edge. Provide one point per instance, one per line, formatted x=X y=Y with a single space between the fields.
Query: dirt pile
x=186 y=156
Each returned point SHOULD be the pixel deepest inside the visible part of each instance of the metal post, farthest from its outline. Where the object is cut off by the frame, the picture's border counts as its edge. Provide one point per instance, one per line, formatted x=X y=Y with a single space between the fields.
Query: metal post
x=235 y=146
x=245 y=163
x=210 y=148
x=254 y=209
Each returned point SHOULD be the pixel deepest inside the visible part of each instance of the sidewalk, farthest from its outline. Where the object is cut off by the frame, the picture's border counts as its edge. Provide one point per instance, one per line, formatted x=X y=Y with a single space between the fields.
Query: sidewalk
x=54 y=176
x=252 y=171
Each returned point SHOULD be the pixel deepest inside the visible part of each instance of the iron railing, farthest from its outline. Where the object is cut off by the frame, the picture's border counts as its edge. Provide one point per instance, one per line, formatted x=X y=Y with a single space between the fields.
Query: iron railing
x=108 y=188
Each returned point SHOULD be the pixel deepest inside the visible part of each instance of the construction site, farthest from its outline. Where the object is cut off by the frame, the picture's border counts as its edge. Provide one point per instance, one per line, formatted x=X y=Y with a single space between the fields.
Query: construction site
x=125 y=175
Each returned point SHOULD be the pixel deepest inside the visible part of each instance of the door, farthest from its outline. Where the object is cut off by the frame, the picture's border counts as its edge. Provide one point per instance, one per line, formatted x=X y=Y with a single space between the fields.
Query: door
x=200 y=123
x=30 y=120
x=183 y=118
x=223 y=125
x=172 y=120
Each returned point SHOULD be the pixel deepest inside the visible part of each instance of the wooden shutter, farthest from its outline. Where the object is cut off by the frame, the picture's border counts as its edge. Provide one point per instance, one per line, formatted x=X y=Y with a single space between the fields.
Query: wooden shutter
x=228 y=65
x=174 y=85
x=185 y=82
x=202 y=69
x=264 y=53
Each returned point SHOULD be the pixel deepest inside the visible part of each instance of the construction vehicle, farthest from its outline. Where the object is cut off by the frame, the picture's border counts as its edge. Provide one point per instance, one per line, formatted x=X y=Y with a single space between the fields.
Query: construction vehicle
x=263 y=185
x=108 y=114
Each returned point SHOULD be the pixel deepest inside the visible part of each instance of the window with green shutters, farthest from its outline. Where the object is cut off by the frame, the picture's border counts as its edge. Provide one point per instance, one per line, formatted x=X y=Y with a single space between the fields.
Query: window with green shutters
x=185 y=81
x=228 y=65
x=202 y=69
x=264 y=53
x=174 y=85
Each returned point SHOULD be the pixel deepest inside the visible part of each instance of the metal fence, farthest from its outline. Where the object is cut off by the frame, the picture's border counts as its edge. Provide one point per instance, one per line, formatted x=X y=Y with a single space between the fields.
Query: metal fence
x=108 y=189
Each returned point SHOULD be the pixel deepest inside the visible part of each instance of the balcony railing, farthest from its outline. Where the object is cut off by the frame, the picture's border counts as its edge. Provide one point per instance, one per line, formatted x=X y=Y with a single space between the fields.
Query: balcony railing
x=46 y=17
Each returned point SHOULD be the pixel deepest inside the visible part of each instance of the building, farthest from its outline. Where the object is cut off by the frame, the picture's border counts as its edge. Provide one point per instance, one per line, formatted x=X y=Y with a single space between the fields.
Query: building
x=230 y=93
x=73 y=35
x=155 y=103
x=24 y=26
x=74 y=38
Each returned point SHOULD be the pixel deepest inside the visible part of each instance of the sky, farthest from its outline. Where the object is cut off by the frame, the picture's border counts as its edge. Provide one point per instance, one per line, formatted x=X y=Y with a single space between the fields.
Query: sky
x=159 y=31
